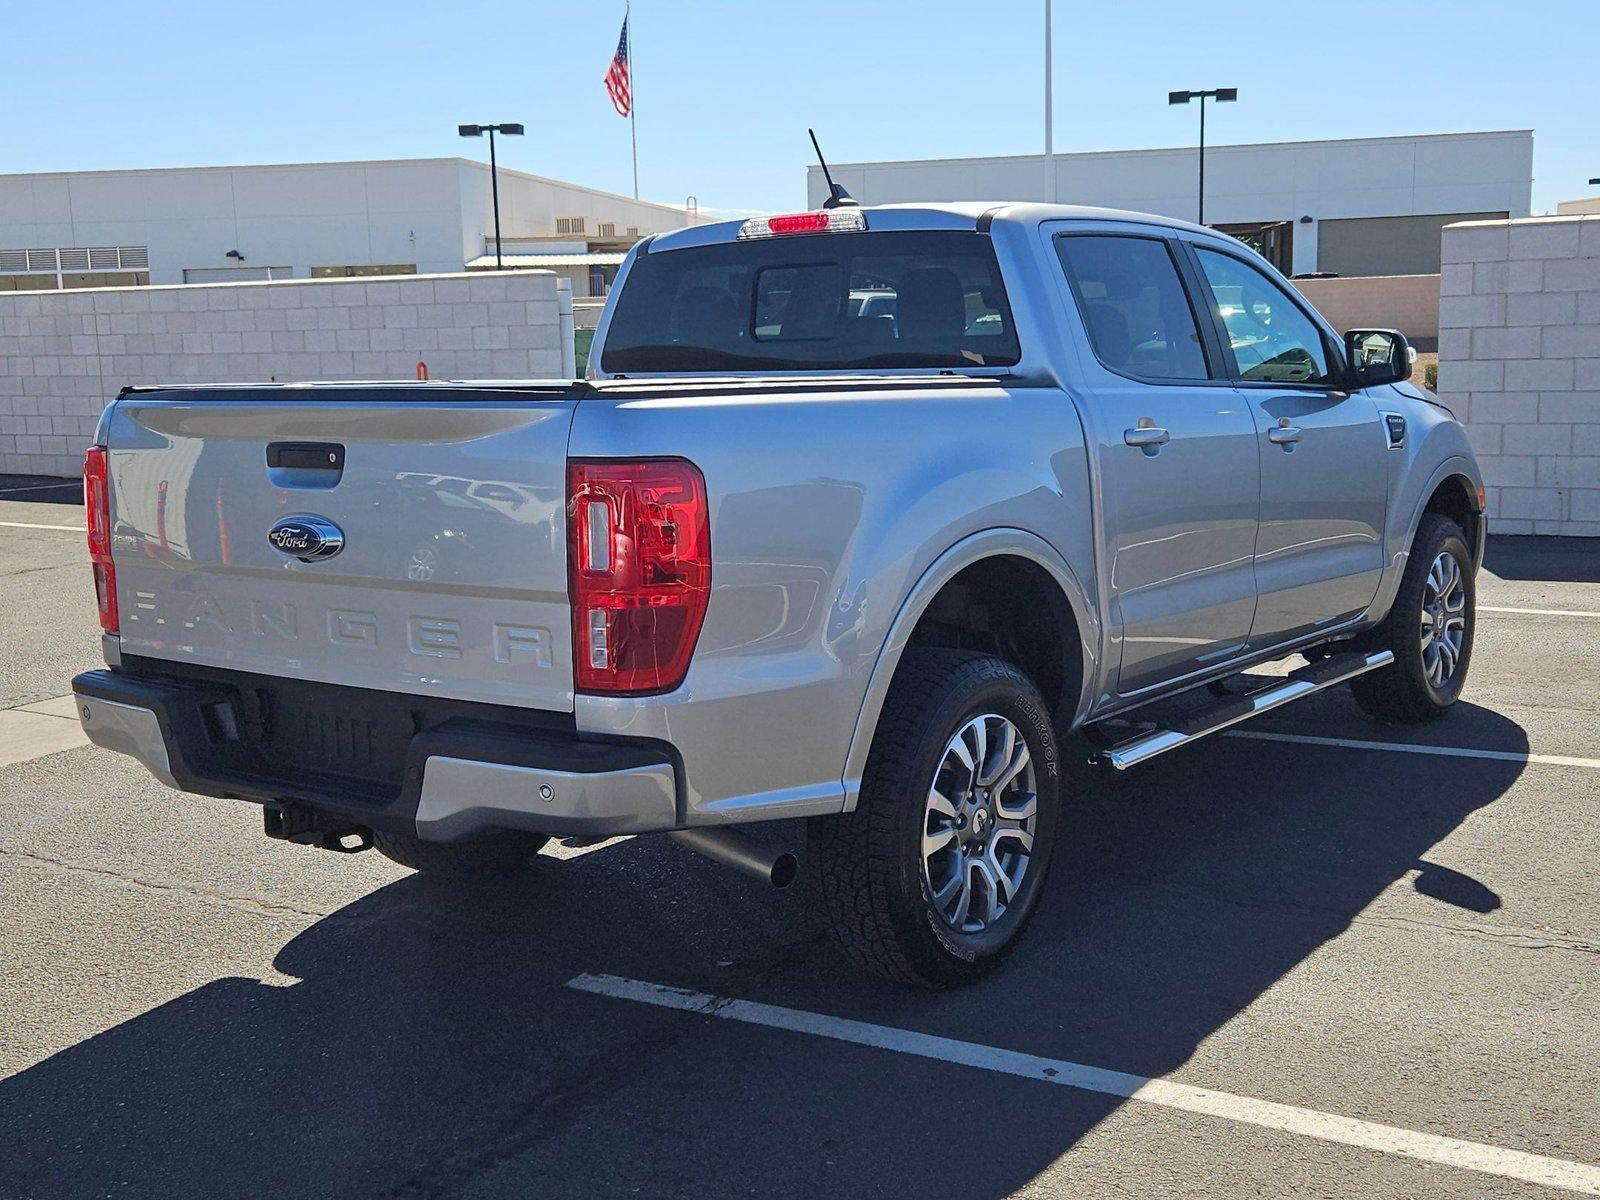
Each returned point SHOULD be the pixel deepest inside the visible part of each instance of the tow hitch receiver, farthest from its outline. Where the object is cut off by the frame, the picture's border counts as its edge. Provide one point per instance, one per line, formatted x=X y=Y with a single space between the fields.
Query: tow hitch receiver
x=307 y=827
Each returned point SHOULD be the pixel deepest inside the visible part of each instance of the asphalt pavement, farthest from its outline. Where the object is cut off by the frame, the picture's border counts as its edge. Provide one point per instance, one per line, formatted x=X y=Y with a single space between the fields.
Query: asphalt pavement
x=1341 y=960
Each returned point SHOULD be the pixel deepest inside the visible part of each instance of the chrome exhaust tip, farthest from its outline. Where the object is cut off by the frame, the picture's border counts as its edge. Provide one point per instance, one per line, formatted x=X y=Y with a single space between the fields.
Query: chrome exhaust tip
x=732 y=849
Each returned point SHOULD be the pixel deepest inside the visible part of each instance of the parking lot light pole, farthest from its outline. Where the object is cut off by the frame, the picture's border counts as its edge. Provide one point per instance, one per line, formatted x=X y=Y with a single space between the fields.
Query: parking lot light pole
x=1049 y=112
x=510 y=130
x=1221 y=96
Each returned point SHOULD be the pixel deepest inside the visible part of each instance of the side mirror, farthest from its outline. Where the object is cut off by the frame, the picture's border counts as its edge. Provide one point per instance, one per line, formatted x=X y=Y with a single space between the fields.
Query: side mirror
x=1378 y=356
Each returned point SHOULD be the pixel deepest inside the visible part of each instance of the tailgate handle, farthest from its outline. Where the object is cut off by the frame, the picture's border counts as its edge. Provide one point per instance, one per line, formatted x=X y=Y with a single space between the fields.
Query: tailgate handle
x=306 y=456
x=305 y=464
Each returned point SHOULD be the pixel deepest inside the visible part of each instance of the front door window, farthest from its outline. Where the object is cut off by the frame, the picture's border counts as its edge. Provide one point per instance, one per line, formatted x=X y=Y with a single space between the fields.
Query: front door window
x=1270 y=337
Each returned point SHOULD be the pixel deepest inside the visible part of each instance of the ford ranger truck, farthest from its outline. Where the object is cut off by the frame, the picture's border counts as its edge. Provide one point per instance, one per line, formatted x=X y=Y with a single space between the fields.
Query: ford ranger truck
x=860 y=515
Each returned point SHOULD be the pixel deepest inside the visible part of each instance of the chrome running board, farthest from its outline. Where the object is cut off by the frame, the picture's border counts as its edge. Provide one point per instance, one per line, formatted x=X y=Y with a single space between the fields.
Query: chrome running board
x=1308 y=680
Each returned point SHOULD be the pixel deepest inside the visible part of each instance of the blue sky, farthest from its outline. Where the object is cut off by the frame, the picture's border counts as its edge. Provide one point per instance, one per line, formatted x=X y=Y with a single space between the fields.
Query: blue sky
x=726 y=89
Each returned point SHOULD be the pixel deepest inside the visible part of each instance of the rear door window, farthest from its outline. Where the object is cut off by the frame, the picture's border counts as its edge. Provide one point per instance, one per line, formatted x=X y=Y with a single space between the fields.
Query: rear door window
x=1134 y=305
x=832 y=301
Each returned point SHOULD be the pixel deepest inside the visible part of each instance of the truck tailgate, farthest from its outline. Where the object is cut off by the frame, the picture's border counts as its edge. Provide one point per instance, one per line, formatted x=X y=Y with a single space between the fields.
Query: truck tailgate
x=452 y=576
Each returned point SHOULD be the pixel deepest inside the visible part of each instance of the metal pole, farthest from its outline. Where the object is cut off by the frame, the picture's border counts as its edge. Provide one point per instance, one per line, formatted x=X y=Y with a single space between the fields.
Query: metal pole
x=494 y=189
x=633 y=104
x=1049 y=112
x=1202 y=206
x=566 y=328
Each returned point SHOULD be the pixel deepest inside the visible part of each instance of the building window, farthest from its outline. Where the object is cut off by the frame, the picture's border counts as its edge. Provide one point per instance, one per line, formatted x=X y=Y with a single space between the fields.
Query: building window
x=600 y=279
x=607 y=229
x=103 y=279
x=1273 y=240
x=569 y=224
x=235 y=274
x=633 y=231
x=351 y=272
x=29 y=283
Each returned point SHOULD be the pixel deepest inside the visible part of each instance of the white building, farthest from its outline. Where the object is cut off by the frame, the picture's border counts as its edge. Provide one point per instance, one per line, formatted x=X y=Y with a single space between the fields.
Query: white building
x=1358 y=206
x=305 y=220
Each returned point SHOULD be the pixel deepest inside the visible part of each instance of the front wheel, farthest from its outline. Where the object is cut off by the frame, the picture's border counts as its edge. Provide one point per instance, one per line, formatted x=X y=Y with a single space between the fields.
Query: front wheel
x=934 y=876
x=1429 y=629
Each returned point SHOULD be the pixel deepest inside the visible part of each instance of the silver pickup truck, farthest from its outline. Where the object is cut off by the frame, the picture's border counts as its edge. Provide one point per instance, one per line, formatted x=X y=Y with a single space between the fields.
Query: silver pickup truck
x=860 y=516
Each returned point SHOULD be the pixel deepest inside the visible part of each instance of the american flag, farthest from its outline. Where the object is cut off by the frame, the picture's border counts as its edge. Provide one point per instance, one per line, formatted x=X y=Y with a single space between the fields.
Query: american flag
x=617 y=82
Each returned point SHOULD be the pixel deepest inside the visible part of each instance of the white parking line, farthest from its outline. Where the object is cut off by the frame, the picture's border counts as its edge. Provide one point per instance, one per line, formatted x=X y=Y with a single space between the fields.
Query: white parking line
x=40 y=487
x=26 y=525
x=1326 y=1127
x=1540 y=612
x=1549 y=760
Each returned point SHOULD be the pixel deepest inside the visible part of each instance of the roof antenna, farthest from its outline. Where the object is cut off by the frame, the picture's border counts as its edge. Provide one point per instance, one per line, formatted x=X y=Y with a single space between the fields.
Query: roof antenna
x=837 y=196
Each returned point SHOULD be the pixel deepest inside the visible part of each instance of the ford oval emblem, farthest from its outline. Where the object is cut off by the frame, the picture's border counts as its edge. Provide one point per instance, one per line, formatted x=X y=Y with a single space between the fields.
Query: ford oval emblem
x=306 y=537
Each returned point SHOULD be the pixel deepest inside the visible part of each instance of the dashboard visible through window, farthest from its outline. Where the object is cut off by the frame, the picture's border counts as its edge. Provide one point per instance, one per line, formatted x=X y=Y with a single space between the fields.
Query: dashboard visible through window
x=1270 y=338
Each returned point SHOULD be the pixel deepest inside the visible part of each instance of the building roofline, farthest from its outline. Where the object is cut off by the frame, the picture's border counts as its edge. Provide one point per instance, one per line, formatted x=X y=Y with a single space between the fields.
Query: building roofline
x=344 y=164
x=1210 y=149
x=566 y=183
x=211 y=167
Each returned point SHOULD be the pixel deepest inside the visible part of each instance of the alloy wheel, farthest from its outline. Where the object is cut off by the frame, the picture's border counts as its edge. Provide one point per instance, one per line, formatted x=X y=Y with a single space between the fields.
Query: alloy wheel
x=1444 y=619
x=982 y=813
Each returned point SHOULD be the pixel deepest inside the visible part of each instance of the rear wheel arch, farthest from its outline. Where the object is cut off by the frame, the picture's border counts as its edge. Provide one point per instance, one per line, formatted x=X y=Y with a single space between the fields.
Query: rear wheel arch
x=986 y=580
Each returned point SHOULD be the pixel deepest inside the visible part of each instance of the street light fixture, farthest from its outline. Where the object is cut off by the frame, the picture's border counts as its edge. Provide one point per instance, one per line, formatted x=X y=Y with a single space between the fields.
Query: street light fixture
x=510 y=130
x=1221 y=96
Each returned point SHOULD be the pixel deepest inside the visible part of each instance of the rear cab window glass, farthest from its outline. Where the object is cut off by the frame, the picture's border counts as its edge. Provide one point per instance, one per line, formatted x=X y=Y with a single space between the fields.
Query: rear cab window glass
x=1134 y=305
x=1270 y=337
x=829 y=301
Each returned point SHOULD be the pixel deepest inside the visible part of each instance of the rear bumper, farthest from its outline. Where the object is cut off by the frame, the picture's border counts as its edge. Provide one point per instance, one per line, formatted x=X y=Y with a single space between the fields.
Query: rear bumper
x=451 y=780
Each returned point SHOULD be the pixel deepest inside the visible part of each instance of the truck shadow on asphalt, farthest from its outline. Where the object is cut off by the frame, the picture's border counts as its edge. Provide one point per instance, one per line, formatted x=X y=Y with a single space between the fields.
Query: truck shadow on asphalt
x=425 y=1043
x=1542 y=559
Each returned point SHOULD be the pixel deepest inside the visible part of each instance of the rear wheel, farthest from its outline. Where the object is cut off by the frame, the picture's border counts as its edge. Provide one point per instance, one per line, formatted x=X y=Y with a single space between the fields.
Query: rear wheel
x=498 y=854
x=934 y=876
x=1429 y=628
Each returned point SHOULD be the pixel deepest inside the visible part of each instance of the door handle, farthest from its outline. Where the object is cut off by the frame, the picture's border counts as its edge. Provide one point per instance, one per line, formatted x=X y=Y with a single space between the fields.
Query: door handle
x=1285 y=434
x=1147 y=434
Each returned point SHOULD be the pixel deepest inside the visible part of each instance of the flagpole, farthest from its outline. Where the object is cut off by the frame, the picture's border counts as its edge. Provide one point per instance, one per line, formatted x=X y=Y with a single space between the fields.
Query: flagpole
x=633 y=105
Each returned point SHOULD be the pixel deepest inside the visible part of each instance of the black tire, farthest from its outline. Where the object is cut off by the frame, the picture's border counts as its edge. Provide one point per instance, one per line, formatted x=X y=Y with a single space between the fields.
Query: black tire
x=483 y=858
x=875 y=892
x=1402 y=692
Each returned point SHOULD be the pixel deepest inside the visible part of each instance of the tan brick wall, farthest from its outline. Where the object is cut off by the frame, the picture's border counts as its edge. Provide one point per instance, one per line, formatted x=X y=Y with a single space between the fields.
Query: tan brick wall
x=64 y=355
x=1519 y=363
x=1409 y=303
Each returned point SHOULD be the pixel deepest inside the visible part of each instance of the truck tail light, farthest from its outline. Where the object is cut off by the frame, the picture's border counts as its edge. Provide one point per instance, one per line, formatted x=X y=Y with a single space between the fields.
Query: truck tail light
x=639 y=571
x=97 y=511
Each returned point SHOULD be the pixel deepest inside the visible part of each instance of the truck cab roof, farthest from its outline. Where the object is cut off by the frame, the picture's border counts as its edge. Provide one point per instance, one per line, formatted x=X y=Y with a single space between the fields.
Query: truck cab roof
x=966 y=214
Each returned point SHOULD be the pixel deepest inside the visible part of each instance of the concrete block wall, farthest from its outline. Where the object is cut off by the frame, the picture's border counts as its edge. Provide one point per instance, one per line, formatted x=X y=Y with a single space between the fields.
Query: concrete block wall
x=64 y=355
x=1519 y=363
